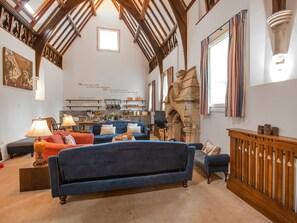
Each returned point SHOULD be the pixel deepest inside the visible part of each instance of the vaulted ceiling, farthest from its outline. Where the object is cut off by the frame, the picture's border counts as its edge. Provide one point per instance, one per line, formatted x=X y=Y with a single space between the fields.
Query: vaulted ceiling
x=51 y=26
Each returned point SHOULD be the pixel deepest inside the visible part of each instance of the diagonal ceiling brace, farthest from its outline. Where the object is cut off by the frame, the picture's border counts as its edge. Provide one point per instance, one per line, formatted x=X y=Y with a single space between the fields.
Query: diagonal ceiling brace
x=73 y=25
x=180 y=13
x=61 y=3
x=142 y=15
x=93 y=7
x=48 y=29
x=130 y=7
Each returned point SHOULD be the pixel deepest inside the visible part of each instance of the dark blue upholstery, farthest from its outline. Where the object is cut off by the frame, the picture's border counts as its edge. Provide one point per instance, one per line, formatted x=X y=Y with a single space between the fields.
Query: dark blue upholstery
x=119 y=165
x=212 y=163
x=121 y=127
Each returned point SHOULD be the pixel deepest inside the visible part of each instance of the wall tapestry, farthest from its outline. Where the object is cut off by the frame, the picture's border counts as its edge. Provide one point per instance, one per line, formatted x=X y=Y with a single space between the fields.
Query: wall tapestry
x=17 y=70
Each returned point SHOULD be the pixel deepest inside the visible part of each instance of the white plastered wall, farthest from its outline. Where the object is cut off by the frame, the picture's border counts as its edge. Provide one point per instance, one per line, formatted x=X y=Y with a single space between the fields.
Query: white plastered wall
x=18 y=106
x=126 y=70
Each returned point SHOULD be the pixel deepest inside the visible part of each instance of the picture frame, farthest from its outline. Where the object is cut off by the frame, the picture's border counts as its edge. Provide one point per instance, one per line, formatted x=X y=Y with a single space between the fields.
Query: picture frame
x=17 y=70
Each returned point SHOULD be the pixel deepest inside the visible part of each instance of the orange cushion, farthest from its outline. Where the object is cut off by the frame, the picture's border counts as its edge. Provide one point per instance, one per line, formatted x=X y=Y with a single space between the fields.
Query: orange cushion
x=56 y=138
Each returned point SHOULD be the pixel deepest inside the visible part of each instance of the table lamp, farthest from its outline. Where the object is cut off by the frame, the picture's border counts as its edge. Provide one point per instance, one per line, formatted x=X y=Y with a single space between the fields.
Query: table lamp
x=39 y=129
x=68 y=121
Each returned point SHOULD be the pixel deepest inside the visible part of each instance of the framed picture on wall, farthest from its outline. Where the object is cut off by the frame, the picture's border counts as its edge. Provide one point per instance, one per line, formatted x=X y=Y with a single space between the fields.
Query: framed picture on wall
x=17 y=70
x=210 y=4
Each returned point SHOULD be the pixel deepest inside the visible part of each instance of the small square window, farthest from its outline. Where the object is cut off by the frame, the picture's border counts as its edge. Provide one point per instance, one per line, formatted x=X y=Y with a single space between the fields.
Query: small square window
x=108 y=39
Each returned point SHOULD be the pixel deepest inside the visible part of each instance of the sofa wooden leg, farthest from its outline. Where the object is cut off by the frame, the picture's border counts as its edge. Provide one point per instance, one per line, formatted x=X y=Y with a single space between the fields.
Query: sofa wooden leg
x=32 y=154
x=226 y=175
x=63 y=199
x=11 y=156
x=185 y=184
x=208 y=178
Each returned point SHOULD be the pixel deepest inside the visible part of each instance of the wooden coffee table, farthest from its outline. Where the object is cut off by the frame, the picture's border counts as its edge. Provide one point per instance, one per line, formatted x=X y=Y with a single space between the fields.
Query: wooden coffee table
x=34 y=178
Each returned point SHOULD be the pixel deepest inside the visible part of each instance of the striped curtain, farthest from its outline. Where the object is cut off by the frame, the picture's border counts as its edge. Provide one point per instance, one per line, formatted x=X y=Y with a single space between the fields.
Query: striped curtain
x=235 y=94
x=204 y=106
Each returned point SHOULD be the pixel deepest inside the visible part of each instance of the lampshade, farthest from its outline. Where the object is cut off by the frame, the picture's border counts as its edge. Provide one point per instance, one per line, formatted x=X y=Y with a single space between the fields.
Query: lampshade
x=39 y=128
x=68 y=121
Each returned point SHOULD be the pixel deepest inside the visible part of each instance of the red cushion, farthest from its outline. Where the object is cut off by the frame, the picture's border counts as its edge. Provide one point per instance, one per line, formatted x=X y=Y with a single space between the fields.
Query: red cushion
x=56 y=138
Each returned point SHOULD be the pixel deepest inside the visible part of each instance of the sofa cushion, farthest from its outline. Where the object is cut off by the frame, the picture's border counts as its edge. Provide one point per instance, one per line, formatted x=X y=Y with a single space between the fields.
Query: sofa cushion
x=133 y=129
x=132 y=124
x=122 y=159
x=56 y=138
x=106 y=130
x=210 y=149
x=69 y=140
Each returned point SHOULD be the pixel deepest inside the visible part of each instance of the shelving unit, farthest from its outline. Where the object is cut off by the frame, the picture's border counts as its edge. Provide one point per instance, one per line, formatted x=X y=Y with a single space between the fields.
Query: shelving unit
x=135 y=104
x=81 y=103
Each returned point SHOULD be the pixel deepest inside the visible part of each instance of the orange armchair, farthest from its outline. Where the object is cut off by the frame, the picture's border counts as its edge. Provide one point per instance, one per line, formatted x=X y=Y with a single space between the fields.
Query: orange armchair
x=55 y=143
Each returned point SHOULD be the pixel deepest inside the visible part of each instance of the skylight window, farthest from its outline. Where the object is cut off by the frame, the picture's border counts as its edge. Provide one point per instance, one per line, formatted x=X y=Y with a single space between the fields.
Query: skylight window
x=29 y=8
x=108 y=39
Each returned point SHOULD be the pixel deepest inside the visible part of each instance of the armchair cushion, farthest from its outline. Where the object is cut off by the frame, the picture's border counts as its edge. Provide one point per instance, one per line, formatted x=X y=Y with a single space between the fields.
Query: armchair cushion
x=70 y=140
x=55 y=139
x=210 y=149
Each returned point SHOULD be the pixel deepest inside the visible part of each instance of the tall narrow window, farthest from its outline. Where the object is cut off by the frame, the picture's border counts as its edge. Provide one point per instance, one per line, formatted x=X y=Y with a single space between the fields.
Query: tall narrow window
x=152 y=103
x=108 y=39
x=166 y=80
x=218 y=67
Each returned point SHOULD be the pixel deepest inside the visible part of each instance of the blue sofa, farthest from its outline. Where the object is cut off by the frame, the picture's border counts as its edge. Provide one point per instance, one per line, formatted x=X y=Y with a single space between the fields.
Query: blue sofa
x=211 y=163
x=119 y=165
x=121 y=127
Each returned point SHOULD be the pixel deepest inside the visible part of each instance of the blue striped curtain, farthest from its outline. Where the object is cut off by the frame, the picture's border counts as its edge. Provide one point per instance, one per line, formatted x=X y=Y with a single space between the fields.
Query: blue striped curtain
x=235 y=94
x=204 y=106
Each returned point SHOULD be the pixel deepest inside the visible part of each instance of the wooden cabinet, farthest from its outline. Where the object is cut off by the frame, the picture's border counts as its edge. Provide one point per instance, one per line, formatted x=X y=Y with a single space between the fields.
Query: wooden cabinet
x=34 y=178
x=84 y=103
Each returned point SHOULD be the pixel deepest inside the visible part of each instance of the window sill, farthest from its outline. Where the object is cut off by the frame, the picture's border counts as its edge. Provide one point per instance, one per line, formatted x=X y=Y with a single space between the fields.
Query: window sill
x=217 y=108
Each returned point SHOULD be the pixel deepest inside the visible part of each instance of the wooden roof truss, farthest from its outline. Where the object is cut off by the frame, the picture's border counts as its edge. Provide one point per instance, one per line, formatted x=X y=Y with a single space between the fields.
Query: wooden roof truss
x=55 y=24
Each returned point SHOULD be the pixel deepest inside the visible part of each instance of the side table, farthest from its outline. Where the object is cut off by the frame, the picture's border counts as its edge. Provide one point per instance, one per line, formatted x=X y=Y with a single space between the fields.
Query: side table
x=34 y=178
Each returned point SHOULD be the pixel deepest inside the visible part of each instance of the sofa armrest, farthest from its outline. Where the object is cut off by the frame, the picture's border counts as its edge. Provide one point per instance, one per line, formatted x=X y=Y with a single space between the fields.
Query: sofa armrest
x=54 y=175
x=83 y=138
x=196 y=145
x=217 y=160
x=147 y=131
x=190 y=162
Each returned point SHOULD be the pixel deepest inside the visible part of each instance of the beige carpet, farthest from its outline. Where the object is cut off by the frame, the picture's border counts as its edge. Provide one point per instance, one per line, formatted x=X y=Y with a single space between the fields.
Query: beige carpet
x=199 y=202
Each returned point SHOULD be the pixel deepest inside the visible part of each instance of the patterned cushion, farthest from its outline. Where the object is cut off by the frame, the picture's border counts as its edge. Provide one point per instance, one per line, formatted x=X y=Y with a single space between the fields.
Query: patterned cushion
x=69 y=140
x=210 y=149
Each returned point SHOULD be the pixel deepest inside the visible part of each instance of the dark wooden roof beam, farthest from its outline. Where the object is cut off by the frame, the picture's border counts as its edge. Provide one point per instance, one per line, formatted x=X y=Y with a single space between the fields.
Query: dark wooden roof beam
x=156 y=18
x=180 y=13
x=20 y=6
x=161 y=15
x=73 y=25
x=167 y=12
x=93 y=7
x=144 y=9
x=61 y=3
x=131 y=8
x=121 y=11
x=137 y=34
x=278 y=5
x=155 y=28
x=41 y=11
